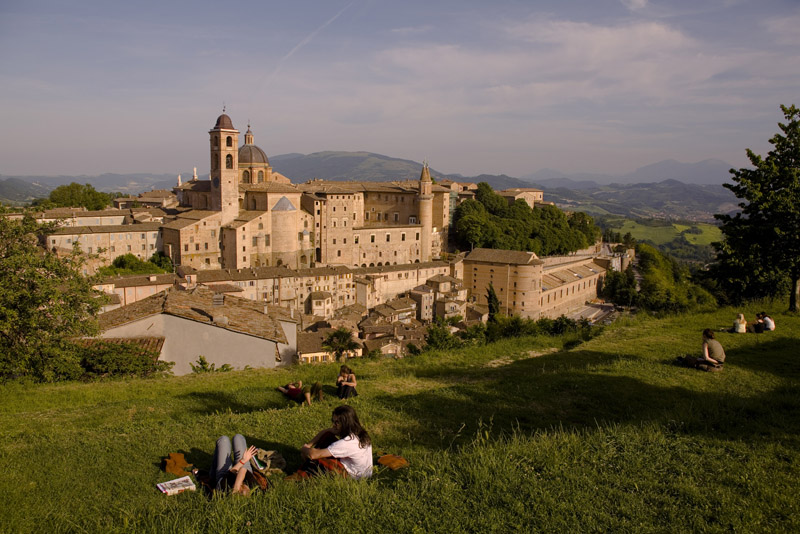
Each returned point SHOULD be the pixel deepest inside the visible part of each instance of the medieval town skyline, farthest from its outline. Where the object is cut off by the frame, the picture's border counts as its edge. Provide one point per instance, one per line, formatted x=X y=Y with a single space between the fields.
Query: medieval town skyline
x=503 y=88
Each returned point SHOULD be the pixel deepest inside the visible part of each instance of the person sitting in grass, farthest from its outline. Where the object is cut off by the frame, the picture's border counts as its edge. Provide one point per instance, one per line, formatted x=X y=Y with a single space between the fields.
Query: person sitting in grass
x=739 y=325
x=713 y=356
x=298 y=393
x=346 y=383
x=227 y=473
x=344 y=448
x=769 y=322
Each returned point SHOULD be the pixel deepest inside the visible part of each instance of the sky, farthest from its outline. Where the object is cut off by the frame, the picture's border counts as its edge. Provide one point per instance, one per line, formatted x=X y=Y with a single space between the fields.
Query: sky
x=502 y=87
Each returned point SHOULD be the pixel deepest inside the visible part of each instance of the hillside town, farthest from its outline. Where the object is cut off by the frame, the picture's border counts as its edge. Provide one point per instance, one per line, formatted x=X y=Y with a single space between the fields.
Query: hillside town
x=264 y=268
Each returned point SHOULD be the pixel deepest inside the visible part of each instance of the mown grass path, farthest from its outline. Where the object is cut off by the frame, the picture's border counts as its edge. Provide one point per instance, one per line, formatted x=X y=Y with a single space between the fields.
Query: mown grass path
x=510 y=437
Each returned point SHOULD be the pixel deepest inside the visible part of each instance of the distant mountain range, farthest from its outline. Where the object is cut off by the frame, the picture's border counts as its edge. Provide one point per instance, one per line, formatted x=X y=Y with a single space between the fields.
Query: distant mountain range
x=665 y=189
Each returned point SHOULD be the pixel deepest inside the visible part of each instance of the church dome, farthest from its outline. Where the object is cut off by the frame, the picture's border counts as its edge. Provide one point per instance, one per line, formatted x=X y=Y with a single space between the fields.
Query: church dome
x=223 y=123
x=251 y=154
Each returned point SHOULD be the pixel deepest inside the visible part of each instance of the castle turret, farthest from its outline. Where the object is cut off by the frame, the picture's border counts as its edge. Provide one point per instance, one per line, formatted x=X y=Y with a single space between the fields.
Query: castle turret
x=425 y=212
x=224 y=172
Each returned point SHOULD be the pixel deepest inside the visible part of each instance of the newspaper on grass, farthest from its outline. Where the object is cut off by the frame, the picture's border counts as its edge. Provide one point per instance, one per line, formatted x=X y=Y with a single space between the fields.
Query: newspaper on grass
x=179 y=485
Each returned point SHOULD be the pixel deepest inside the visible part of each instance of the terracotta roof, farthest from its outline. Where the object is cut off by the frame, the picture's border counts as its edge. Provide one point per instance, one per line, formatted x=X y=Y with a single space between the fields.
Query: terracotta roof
x=157 y=193
x=201 y=186
x=223 y=123
x=246 y=216
x=402 y=304
x=153 y=345
x=250 y=273
x=401 y=267
x=137 y=280
x=513 y=257
x=379 y=343
x=269 y=187
x=317 y=295
x=225 y=288
x=312 y=341
x=189 y=218
x=107 y=229
x=439 y=278
x=560 y=275
x=243 y=315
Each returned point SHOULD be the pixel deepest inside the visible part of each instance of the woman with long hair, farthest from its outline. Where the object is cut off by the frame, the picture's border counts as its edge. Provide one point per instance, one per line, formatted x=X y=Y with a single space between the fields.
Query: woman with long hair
x=344 y=448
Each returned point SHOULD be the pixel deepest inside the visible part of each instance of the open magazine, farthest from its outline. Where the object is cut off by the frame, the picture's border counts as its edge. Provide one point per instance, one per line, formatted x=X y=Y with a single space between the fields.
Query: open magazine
x=179 y=485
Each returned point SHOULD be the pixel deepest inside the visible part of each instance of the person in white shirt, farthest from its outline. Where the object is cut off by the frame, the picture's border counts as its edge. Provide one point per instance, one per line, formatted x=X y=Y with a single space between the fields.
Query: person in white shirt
x=344 y=448
x=769 y=322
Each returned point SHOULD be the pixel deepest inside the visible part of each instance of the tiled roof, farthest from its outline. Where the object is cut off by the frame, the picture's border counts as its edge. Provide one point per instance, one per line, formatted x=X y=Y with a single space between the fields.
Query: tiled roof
x=189 y=218
x=107 y=229
x=246 y=216
x=141 y=280
x=439 y=278
x=513 y=257
x=269 y=187
x=317 y=295
x=201 y=186
x=560 y=275
x=149 y=344
x=249 y=273
x=243 y=315
x=401 y=267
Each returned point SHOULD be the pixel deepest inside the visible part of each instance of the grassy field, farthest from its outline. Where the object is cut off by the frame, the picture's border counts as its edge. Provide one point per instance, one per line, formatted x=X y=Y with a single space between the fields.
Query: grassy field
x=607 y=436
x=664 y=234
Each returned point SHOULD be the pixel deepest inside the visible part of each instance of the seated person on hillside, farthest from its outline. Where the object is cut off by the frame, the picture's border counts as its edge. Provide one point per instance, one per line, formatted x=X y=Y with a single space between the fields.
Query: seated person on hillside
x=739 y=325
x=713 y=356
x=346 y=383
x=298 y=393
x=769 y=322
x=758 y=326
x=344 y=448
x=227 y=474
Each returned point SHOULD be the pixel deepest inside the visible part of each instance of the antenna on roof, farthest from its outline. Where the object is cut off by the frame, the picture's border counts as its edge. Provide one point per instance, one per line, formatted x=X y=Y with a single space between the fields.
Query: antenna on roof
x=223 y=107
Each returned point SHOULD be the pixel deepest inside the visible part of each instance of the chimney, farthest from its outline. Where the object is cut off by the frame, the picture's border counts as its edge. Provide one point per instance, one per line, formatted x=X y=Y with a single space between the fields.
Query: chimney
x=179 y=180
x=266 y=309
x=218 y=300
x=292 y=313
x=194 y=175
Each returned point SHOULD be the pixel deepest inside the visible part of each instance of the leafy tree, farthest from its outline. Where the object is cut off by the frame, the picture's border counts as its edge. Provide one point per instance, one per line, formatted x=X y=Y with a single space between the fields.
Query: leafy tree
x=340 y=342
x=76 y=195
x=764 y=238
x=130 y=264
x=440 y=337
x=620 y=287
x=162 y=261
x=44 y=301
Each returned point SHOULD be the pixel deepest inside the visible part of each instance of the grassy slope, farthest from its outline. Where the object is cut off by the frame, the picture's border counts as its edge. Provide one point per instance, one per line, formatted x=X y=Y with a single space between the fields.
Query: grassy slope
x=607 y=436
x=664 y=234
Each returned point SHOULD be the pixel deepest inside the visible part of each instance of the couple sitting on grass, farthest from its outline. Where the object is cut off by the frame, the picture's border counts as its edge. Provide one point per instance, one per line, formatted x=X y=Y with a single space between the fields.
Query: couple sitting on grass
x=764 y=323
x=345 y=448
x=345 y=388
x=712 y=358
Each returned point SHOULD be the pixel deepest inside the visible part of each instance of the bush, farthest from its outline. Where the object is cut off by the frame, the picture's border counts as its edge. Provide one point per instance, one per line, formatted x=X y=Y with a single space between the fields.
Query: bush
x=203 y=366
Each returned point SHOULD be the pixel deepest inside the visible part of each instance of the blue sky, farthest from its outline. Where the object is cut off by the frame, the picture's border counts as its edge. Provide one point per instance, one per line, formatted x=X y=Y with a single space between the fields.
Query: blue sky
x=472 y=86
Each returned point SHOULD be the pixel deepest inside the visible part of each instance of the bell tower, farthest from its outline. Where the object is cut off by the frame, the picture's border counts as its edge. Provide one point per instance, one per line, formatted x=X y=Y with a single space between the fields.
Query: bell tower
x=425 y=212
x=224 y=174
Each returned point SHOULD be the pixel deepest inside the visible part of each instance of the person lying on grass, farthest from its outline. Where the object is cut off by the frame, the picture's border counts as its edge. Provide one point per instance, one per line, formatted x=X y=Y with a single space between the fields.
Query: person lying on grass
x=230 y=474
x=344 y=448
x=298 y=393
x=346 y=383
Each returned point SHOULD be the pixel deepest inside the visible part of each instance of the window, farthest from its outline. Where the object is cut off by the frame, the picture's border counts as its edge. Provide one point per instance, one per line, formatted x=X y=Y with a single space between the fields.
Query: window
x=129 y=248
x=185 y=248
x=229 y=161
x=229 y=141
x=144 y=247
x=388 y=238
x=344 y=223
x=366 y=215
x=345 y=240
x=372 y=238
x=246 y=177
x=213 y=233
x=417 y=236
x=403 y=236
x=396 y=217
x=334 y=241
x=151 y=246
x=338 y=253
x=197 y=246
x=143 y=236
x=355 y=239
x=255 y=241
x=412 y=220
x=260 y=176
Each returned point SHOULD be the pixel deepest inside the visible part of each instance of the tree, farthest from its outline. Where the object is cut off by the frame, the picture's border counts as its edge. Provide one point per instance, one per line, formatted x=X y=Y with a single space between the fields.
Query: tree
x=765 y=236
x=340 y=342
x=76 y=195
x=44 y=301
x=493 y=302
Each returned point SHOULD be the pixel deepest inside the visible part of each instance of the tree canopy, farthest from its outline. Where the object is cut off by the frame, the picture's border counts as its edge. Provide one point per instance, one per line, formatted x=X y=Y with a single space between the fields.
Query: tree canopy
x=44 y=301
x=489 y=221
x=760 y=251
x=76 y=195
x=340 y=342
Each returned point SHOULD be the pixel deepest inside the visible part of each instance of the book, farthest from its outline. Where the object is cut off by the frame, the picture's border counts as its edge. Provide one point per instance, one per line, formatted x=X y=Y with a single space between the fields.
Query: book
x=179 y=485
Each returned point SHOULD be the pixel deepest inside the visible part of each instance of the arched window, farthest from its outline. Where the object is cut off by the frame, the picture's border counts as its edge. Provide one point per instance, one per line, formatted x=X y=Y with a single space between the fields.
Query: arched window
x=260 y=176
x=228 y=161
x=229 y=141
x=246 y=177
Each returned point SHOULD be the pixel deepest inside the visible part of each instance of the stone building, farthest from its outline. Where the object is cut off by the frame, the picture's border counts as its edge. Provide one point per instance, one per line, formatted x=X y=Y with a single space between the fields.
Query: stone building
x=109 y=241
x=531 y=196
x=526 y=287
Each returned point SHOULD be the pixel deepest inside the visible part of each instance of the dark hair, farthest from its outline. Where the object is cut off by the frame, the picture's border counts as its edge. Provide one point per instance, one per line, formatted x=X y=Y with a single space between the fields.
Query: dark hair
x=345 y=369
x=708 y=333
x=346 y=420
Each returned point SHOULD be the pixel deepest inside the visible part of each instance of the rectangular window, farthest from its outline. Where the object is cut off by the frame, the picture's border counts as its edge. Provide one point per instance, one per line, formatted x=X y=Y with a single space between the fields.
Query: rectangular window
x=112 y=248
x=152 y=246
x=197 y=246
x=417 y=236
x=213 y=233
x=388 y=238
x=90 y=250
x=338 y=253
x=205 y=244
x=396 y=217
x=372 y=238
x=255 y=241
x=185 y=248
x=143 y=236
x=129 y=248
x=144 y=247
x=334 y=241
x=403 y=236
x=355 y=239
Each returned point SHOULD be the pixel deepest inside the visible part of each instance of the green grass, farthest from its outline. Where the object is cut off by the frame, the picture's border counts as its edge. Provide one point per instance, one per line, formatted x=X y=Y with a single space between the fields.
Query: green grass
x=606 y=437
